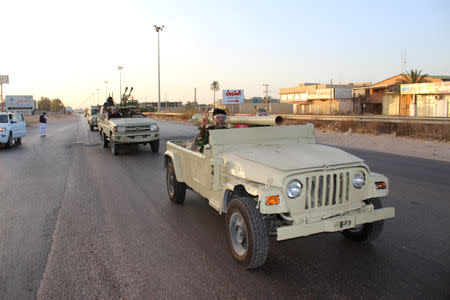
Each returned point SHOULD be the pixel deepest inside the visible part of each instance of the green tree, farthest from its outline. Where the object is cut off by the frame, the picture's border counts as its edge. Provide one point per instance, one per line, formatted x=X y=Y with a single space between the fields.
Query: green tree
x=215 y=87
x=56 y=105
x=413 y=76
x=44 y=104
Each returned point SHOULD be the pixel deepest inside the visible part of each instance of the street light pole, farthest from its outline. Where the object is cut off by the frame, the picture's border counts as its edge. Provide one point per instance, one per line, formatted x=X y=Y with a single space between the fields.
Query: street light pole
x=158 y=29
x=106 y=89
x=120 y=68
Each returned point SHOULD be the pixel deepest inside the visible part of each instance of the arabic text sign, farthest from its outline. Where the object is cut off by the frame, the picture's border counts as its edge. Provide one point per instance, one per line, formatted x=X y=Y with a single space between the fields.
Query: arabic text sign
x=4 y=79
x=19 y=102
x=233 y=96
x=426 y=88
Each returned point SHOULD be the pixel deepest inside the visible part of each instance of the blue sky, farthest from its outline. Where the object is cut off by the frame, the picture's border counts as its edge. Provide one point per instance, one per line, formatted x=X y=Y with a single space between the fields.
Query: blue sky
x=67 y=49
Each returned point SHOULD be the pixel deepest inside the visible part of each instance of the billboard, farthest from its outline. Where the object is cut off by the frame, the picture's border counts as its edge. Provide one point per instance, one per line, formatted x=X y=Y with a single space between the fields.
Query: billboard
x=426 y=88
x=19 y=103
x=321 y=94
x=233 y=96
x=4 y=79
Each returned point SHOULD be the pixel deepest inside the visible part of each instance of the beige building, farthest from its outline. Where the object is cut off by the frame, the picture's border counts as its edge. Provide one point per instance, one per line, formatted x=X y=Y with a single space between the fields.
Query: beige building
x=250 y=107
x=385 y=98
x=314 y=98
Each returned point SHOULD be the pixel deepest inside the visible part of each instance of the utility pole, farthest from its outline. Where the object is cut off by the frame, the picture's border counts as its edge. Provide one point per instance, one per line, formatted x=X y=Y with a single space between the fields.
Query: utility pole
x=266 y=98
x=1 y=94
x=331 y=96
x=158 y=29
x=106 y=89
x=3 y=79
x=195 y=97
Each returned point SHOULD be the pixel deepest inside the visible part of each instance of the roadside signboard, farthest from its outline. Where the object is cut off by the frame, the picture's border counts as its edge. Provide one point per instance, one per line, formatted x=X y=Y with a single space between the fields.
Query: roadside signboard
x=23 y=103
x=233 y=96
x=425 y=88
x=4 y=79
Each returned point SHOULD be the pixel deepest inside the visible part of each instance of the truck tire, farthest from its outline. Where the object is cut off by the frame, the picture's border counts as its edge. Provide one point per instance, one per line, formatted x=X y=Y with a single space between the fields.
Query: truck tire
x=114 y=147
x=92 y=127
x=154 y=145
x=368 y=232
x=9 y=142
x=175 y=189
x=18 y=141
x=246 y=232
x=104 y=140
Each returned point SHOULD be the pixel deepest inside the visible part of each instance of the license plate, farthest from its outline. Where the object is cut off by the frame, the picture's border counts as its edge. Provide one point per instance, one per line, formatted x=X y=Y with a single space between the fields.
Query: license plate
x=345 y=223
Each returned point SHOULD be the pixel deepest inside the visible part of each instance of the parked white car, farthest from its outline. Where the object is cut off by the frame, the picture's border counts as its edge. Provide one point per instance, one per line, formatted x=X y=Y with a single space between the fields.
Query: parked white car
x=11 y=129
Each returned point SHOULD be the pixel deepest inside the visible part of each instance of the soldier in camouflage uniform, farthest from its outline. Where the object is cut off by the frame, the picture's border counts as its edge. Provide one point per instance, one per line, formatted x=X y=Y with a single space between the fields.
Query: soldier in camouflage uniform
x=202 y=138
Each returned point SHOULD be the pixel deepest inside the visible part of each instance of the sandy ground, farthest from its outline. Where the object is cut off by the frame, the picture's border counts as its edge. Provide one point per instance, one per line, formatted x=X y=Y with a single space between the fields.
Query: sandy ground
x=429 y=149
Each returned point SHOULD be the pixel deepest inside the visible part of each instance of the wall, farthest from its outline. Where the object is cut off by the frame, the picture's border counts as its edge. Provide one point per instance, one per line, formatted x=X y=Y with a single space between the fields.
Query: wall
x=343 y=93
x=274 y=108
x=429 y=106
x=391 y=104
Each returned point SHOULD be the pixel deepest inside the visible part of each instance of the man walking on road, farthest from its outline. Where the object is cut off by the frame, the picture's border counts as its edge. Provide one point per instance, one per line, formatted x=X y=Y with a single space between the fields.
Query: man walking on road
x=43 y=123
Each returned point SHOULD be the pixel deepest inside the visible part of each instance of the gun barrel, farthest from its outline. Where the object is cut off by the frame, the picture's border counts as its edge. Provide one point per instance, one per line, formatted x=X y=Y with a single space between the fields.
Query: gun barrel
x=244 y=120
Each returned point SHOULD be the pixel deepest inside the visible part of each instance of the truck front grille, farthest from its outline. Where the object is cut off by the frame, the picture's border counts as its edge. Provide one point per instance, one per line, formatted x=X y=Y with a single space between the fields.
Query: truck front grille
x=327 y=190
x=137 y=128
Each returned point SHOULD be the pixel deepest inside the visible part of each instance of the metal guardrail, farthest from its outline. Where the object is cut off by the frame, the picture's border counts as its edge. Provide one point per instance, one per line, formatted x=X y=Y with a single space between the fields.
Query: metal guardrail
x=381 y=119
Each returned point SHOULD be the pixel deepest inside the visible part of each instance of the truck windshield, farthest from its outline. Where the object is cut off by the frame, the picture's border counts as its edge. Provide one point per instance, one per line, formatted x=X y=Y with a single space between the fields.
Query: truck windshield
x=94 y=111
x=3 y=119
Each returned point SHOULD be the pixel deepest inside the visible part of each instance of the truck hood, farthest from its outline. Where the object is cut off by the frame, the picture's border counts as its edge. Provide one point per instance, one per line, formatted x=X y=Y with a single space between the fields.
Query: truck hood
x=274 y=161
x=300 y=156
x=132 y=121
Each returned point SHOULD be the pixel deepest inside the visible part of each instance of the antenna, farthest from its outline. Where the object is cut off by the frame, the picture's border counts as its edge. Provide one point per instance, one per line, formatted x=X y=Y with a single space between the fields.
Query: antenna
x=403 y=61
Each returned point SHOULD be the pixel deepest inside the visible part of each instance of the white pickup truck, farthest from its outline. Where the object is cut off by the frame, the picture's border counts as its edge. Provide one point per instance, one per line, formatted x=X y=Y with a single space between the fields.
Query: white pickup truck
x=11 y=129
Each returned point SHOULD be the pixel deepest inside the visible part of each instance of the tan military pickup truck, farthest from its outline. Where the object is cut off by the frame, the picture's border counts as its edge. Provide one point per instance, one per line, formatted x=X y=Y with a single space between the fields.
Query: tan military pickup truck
x=92 y=116
x=135 y=130
x=277 y=181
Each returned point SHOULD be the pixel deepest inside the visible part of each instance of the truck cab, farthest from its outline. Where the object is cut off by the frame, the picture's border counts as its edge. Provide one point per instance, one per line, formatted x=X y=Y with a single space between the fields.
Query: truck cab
x=11 y=129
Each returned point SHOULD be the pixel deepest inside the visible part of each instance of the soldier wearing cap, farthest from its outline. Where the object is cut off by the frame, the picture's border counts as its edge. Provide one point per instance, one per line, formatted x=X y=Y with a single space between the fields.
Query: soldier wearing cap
x=202 y=138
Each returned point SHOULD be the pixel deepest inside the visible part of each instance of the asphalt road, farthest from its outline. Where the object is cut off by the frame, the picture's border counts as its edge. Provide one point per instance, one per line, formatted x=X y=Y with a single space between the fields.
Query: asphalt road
x=78 y=222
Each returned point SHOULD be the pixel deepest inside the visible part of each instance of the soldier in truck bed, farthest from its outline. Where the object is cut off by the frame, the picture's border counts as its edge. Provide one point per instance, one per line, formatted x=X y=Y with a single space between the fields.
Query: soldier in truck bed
x=202 y=138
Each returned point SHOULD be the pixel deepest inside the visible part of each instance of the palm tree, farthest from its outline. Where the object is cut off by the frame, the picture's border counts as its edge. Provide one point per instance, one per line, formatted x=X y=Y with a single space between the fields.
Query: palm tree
x=215 y=87
x=413 y=76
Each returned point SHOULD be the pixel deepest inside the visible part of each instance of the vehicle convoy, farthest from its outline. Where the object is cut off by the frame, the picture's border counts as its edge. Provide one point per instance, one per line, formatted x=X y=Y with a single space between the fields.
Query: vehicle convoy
x=275 y=180
x=92 y=116
x=12 y=129
x=131 y=128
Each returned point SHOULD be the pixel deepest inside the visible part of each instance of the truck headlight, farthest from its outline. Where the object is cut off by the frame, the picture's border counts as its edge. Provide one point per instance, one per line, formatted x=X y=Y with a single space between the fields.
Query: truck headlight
x=2 y=129
x=121 y=129
x=359 y=180
x=294 y=189
x=154 y=127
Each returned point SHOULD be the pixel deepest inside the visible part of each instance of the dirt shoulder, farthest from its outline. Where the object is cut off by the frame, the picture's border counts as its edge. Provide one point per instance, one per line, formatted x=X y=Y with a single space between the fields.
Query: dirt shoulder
x=387 y=143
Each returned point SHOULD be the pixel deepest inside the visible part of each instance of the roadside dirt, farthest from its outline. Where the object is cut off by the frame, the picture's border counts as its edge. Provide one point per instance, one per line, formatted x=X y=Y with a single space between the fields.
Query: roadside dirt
x=430 y=149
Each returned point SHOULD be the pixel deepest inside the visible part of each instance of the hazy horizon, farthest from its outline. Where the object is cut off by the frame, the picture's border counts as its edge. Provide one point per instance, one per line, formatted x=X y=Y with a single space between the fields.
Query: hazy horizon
x=69 y=49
